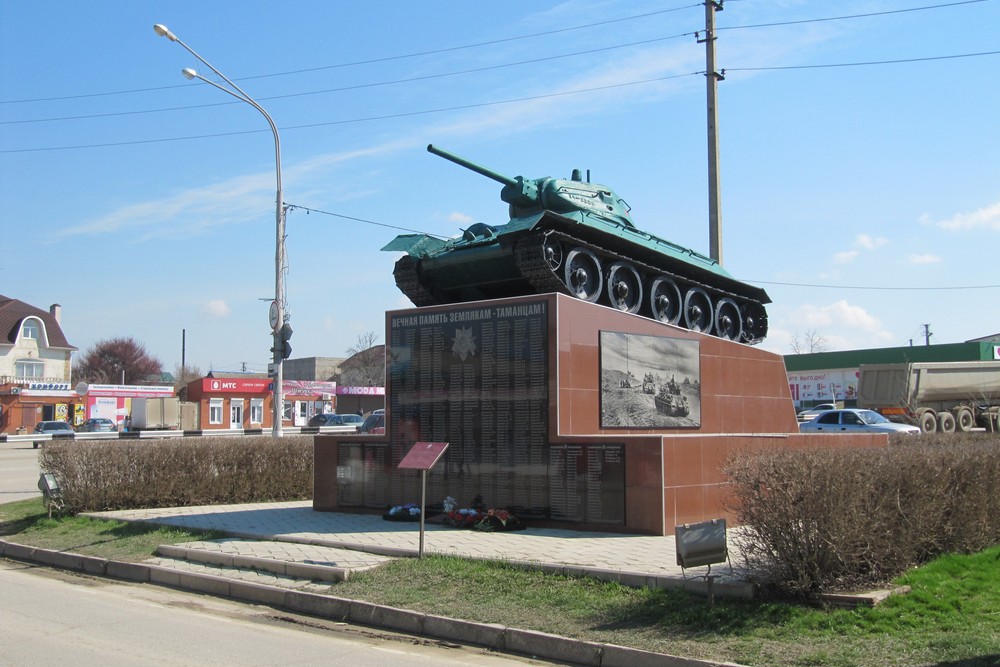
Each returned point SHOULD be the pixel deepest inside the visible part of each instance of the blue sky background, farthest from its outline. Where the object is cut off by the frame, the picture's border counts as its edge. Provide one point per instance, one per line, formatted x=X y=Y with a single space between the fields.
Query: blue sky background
x=864 y=197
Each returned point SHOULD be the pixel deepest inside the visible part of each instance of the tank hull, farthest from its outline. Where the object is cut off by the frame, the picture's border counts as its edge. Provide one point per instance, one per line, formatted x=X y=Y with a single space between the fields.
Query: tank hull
x=535 y=254
x=578 y=238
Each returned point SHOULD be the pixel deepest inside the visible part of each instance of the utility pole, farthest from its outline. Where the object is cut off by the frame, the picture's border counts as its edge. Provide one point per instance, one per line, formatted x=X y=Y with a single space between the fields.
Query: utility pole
x=712 y=79
x=927 y=334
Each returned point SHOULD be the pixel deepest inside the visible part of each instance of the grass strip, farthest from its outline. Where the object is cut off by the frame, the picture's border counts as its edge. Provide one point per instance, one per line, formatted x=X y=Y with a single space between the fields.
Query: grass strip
x=951 y=617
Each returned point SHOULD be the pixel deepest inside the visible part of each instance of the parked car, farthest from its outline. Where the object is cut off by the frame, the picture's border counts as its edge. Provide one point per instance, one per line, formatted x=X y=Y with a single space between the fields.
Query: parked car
x=54 y=427
x=815 y=411
x=98 y=425
x=353 y=422
x=854 y=421
x=375 y=424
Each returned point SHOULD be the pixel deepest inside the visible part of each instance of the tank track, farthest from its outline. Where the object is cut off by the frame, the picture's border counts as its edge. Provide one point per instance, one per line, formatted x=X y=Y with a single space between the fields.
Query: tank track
x=535 y=268
x=408 y=282
x=531 y=261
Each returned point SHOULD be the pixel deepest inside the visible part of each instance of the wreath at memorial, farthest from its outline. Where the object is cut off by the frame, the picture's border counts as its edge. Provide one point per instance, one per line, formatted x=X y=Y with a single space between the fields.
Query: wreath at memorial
x=407 y=512
x=478 y=517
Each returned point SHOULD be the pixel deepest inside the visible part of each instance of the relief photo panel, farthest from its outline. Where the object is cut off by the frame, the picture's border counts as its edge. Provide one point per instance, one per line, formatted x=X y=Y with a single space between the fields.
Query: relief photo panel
x=649 y=381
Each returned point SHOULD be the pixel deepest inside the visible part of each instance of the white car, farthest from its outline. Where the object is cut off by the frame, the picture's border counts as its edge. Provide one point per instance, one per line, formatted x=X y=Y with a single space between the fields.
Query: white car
x=854 y=421
x=815 y=411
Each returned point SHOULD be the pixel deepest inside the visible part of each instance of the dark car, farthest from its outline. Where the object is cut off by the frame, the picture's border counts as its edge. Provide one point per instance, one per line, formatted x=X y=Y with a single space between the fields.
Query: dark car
x=375 y=424
x=350 y=423
x=54 y=427
x=98 y=425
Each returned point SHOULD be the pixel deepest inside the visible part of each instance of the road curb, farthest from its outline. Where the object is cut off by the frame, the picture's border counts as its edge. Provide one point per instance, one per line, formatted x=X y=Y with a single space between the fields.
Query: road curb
x=493 y=636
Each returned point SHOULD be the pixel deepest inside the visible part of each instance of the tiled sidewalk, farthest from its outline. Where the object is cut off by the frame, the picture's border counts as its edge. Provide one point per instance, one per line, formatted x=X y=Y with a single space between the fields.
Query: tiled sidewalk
x=633 y=559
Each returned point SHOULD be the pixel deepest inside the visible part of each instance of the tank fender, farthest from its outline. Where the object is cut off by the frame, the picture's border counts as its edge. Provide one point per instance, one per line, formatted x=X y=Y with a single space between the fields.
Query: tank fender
x=418 y=245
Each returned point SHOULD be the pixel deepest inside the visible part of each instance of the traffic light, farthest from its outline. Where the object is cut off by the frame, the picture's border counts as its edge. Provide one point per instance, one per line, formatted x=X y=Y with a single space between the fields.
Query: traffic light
x=282 y=348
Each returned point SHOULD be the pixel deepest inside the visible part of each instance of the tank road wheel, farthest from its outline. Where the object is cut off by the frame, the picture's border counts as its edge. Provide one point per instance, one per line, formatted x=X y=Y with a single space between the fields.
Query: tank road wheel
x=754 y=323
x=698 y=314
x=946 y=422
x=624 y=287
x=728 y=322
x=553 y=253
x=927 y=421
x=964 y=419
x=665 y=300
x=583 y=274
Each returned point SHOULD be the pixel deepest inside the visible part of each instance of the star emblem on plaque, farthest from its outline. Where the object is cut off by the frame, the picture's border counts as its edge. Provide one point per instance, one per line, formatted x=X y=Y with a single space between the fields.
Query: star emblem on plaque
x=464 y=343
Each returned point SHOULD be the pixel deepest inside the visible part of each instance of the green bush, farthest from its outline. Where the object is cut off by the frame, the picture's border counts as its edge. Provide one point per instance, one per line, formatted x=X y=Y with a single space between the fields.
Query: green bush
x=835 y=518
x=132 y=474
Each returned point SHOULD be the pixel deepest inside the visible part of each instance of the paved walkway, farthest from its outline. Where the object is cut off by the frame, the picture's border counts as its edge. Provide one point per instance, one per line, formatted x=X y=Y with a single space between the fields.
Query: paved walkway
x=637 y=560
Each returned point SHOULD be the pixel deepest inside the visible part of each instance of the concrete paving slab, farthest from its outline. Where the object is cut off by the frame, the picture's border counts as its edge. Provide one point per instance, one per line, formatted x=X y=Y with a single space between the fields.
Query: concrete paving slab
x=294 y=532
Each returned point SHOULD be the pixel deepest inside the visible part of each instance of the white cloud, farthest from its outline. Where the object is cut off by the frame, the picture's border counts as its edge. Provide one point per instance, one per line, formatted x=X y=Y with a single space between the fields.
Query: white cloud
x=925 y=258
x=460 y=218
x=844 y=326
x=845 y=257
x=870 y=242
x=985 y=218
x=216 y=309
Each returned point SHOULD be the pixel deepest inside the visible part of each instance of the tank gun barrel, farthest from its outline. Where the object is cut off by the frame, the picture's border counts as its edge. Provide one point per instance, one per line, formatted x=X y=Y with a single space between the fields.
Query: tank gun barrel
x=469 y=164
x=517 y=190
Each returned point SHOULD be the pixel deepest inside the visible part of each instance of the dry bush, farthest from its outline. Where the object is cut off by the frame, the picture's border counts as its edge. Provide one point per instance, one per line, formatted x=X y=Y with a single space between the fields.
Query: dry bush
x=129 y=474
x=835 y=518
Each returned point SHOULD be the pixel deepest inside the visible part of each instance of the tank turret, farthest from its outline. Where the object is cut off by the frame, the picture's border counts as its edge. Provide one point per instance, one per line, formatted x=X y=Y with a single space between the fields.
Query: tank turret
x=578 y=238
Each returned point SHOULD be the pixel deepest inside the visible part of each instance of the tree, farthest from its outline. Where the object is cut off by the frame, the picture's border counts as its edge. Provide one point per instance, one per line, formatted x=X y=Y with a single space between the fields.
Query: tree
x=809 y=343
x=184 y=375
x=118 y=361
x=365 y=366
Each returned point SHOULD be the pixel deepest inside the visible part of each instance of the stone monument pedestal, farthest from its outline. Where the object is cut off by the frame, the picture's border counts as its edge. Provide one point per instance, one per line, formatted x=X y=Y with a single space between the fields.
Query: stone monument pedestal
x=568 y=413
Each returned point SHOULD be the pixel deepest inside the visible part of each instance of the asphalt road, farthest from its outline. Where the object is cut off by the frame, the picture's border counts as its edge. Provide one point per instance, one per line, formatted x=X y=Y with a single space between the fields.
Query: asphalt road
x=18 y=471
x=55 y=618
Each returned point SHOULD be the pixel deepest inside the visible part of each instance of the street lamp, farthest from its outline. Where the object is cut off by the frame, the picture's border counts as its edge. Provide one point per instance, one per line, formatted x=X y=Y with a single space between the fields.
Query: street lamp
x=278 y=309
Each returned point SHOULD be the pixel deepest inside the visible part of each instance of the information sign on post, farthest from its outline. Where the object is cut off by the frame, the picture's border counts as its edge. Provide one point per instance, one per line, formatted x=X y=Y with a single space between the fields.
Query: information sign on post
x=422 y=456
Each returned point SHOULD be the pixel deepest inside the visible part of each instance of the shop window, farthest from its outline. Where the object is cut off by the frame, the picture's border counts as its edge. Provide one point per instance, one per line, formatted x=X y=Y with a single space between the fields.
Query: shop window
x=256 y=410
x=286 y=412
x=215 y=411
x=29 y=368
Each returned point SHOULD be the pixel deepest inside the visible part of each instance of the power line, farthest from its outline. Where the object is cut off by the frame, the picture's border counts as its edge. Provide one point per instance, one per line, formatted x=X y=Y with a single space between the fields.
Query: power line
x=491 y=43
x=307 y=209
x=876 y=288
x=358 y=120
x=848 y=16
x=371 y=60
x=863 y=63
x=359 y=86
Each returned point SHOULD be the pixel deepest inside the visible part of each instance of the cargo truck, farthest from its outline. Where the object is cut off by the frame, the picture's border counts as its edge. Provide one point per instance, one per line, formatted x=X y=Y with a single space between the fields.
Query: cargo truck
x=155 y=413
x=940 y=396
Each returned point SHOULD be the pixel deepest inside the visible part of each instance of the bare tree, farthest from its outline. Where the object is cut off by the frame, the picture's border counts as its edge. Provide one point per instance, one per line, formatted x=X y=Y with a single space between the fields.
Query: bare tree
x=808 y=343
x=119 y=360
x=365 y=365
x=182 y=376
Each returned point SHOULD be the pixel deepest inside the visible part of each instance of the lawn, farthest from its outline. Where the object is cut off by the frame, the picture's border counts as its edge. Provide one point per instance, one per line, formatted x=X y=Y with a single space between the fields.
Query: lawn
x=951 y=617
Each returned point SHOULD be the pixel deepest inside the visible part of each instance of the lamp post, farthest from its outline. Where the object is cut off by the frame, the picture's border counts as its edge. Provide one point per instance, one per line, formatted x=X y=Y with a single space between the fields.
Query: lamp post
x=278 y=321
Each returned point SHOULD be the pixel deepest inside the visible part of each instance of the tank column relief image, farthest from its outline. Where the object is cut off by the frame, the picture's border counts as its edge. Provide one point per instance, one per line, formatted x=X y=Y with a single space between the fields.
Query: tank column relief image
x=575 y=237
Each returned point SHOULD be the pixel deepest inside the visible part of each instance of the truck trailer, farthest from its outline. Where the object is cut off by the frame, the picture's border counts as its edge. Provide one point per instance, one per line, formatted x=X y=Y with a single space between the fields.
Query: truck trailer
x=155 y=413
x=940 y=396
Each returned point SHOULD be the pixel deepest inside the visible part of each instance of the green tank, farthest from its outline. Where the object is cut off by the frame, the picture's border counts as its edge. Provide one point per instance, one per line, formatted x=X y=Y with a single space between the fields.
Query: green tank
x=577 y=238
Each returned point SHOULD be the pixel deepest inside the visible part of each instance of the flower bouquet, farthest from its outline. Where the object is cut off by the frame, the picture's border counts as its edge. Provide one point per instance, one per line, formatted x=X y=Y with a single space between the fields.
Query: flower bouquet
x=478 y=517
x=407 y=512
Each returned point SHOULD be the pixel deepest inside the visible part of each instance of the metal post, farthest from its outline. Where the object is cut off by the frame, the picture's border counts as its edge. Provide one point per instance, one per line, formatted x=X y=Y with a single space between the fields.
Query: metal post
x=279 y=222
x=714 y=190
x=423 y=507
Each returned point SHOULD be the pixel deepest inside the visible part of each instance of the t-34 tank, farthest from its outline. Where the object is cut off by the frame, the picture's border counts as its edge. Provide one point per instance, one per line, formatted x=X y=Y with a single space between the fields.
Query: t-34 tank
x=577 y=238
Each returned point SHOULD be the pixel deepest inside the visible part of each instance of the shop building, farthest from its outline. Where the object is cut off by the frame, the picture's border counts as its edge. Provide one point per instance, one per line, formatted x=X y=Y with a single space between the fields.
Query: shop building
x=35 y=366
x=827 y=377
x=113 y=401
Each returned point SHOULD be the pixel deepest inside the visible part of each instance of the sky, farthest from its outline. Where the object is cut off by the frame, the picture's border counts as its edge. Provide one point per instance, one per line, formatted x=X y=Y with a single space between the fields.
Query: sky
x=858 y=142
